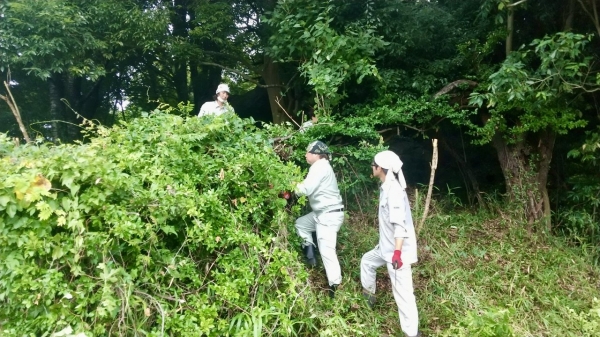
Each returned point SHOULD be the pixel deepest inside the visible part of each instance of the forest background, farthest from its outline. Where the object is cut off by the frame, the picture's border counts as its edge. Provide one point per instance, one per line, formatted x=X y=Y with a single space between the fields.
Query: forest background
x=112 y=211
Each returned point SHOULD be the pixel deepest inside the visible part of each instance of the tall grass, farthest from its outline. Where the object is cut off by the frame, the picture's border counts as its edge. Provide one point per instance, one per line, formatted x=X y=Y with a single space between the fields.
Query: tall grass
x=479 y=274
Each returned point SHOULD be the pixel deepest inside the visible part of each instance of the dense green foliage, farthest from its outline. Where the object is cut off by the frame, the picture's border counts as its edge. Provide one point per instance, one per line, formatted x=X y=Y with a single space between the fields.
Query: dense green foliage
x=165 y=224
x=329 y=57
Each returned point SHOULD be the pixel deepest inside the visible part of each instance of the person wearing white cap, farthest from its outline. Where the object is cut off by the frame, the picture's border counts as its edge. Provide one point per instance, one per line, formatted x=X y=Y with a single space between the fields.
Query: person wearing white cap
x=327 y=216
x=220 y=105
x=397 y=248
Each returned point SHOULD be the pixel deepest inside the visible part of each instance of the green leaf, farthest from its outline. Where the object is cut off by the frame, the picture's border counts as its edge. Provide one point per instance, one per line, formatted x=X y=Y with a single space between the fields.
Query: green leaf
x=11 y=210
x=4 y=199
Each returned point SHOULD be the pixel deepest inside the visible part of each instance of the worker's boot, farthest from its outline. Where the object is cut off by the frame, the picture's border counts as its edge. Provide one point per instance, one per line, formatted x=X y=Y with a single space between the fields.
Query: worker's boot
x=309 y=253
x=417 y=335
x=370 y=298
x=332 y=289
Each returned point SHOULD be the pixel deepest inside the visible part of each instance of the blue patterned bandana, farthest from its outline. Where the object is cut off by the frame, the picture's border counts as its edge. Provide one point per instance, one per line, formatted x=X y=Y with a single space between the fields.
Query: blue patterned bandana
x=318 y=147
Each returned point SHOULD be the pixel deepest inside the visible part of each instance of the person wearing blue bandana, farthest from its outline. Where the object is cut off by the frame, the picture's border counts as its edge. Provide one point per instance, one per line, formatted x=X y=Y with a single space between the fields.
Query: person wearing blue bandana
x=327 y=216
x=397 y=248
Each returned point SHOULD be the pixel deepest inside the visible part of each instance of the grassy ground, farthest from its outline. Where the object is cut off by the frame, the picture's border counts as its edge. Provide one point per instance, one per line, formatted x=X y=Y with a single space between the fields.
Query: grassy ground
x=478 y=275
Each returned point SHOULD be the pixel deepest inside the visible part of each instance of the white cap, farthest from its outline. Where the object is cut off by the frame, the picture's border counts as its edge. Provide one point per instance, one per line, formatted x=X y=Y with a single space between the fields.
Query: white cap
x=223 y=87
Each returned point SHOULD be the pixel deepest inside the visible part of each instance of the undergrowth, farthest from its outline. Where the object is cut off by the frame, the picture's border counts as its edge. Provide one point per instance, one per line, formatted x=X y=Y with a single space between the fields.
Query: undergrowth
x=482 y=274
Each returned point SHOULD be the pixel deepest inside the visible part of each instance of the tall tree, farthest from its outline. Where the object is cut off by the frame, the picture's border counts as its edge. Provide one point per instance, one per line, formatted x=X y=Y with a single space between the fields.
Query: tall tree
x=329 y=50
x=533 y=97
x=74 y=47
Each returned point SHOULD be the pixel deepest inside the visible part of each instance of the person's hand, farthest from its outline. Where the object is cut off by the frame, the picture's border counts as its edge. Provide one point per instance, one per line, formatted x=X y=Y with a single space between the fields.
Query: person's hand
x=287 y=195
x=397 y=259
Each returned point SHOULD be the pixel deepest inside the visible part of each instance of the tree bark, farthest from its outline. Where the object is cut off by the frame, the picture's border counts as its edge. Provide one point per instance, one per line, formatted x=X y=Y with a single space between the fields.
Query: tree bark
x=271 y=77
x=510 y=27
x=525 y=165
x=55 y=108
x=570 y=16
x=180 y=73
x=434 y=162
x=72 y=94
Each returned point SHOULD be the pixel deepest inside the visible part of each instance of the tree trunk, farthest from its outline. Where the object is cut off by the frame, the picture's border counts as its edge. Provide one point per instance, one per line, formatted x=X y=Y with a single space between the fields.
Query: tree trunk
x=592 y=12
x=271 y=77
x=180 y=73
x=472 y=186
x=525 y=164
x=510 y=27
x=570 y=16
x=55 y=108
x=72 y=106
x=196 y=81
x=14 y=108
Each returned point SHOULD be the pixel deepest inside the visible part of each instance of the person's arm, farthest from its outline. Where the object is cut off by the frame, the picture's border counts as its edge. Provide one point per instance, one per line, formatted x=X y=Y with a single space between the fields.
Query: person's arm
x=397 y=219
x=312 y=181
x=399 y=242
x=397 y=215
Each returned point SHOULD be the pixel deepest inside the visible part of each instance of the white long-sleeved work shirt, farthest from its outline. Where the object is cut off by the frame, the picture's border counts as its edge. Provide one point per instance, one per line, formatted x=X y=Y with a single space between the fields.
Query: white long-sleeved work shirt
x=395 y=221
x=321 y=188
x=213 y=108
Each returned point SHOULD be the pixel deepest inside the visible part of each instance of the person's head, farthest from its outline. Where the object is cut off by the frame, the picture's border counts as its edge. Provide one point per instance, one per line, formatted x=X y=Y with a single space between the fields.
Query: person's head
x=315 y=151
x=222 y=92
x=310 y=114
x=385 y=162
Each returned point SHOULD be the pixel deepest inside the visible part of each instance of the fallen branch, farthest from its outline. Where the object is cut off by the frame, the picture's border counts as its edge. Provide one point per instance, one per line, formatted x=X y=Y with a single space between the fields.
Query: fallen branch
x=451 y=86
x=434 y=161
x=290 y=117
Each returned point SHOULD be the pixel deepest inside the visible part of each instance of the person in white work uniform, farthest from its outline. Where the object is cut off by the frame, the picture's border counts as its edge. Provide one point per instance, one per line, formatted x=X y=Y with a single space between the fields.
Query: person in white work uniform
x=327 y=216
x=312 y=120
x=220 y=105
x=397 y=248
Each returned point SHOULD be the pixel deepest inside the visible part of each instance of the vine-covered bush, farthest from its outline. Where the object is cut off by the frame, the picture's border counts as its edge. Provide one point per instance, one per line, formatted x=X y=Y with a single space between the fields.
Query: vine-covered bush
x=161 y=226
x=355 y=137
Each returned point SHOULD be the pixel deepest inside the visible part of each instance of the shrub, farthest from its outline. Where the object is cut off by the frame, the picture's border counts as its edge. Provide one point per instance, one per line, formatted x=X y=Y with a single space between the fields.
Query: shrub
x=161 y=225
x=589 y=322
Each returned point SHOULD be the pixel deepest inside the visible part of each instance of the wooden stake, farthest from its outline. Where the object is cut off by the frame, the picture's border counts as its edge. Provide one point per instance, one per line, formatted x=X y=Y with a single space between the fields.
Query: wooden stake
x=434 y=162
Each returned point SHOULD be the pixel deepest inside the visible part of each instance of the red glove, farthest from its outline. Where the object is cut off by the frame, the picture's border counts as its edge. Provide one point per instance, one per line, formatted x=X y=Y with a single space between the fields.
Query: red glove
x=396 y=259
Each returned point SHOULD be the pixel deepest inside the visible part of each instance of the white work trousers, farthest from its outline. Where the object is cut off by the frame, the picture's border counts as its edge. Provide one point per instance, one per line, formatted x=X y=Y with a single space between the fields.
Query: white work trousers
x=402 y=287
x=326 y=225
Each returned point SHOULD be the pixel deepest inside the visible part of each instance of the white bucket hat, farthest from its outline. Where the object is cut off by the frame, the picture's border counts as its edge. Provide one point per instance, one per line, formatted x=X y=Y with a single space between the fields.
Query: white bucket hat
x=223 y=87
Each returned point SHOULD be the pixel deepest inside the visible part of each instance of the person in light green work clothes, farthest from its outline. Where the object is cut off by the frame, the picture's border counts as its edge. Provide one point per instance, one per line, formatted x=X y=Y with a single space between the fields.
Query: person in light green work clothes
x=327 y=216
